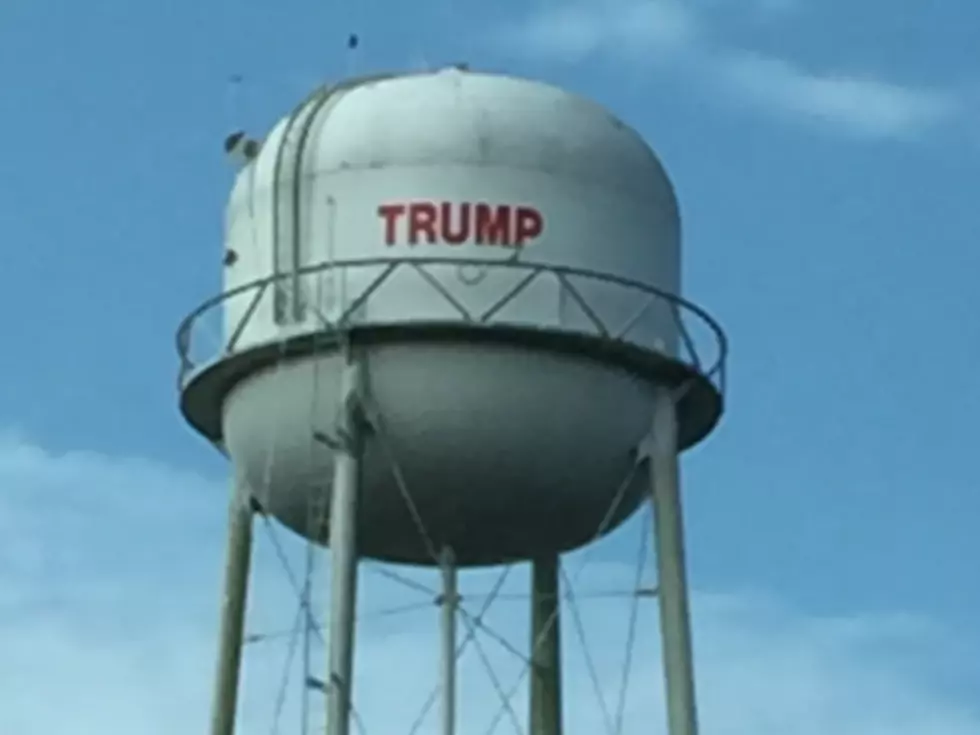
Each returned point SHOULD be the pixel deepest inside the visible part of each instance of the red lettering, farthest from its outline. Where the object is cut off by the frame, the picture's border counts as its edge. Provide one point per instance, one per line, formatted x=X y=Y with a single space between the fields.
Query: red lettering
x=455 y=223
x=528 y=226
x=390 y=213
x=461 y=233
x=422 y=218
x=492 y=224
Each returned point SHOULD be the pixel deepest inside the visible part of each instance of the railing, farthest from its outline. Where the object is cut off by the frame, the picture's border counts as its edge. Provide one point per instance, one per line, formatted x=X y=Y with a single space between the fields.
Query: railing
x=571 y=283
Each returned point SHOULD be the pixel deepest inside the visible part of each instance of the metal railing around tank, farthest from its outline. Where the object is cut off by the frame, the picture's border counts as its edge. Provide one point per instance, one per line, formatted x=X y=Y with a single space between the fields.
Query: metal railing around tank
x=209 y=319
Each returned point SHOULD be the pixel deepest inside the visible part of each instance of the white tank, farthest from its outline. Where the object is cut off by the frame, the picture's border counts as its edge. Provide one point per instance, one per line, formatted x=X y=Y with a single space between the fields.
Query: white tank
x=507 y=256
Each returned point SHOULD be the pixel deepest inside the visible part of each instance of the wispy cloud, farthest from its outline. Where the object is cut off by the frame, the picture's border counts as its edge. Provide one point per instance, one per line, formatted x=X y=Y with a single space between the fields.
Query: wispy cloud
x=860 y=105
x=572 y=31
x=642 y=31
x=113 y=630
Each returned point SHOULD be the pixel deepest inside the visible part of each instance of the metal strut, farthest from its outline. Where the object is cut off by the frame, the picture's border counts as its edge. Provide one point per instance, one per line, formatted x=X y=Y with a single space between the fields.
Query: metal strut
x=545 y=699
x=237 y=563
x=675 y=625
x=450 y=603
x=343 y=547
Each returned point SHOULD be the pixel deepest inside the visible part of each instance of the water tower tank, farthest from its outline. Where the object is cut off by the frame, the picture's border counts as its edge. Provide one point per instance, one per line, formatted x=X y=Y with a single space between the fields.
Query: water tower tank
x=506 y=258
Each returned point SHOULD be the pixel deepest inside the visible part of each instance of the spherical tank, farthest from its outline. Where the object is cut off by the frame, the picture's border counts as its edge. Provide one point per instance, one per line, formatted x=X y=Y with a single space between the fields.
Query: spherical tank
x=505 y=258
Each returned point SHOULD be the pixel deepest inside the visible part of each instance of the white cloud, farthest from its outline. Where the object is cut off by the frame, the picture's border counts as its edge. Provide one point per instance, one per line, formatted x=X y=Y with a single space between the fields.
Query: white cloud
x=643 y=31
x=572 y=31
x=108 y=591
x=863 y=106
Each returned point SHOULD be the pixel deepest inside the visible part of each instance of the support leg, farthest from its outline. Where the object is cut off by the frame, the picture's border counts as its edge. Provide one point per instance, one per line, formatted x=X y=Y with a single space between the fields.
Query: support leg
x=450 y=601
x=675 y=626
x=238 y=558
x=545 y=702
x=343 y=551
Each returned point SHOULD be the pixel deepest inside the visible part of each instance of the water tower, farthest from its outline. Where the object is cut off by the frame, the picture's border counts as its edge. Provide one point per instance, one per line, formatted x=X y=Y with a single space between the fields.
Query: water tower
x=453 y=336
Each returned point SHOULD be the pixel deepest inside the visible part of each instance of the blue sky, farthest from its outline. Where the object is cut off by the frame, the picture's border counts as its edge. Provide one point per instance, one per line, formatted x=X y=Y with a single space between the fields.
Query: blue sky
x=826 y=157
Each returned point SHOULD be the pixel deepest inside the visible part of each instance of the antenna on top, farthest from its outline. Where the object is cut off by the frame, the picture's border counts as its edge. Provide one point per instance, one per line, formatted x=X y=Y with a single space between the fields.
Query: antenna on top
x=232 y=111
x=239 y=148
x=353 y=44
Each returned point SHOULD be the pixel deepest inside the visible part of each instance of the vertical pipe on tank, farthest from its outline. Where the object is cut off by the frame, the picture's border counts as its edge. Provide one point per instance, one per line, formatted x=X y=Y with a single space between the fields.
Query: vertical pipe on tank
x=675 y=626
x=545 y=699
x=343 y=548
x=237 y=562
x=450 y=601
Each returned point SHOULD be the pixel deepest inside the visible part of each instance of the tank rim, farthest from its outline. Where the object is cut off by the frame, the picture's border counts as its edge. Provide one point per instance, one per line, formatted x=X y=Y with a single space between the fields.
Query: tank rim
x=700 y=388
x=699 y=407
